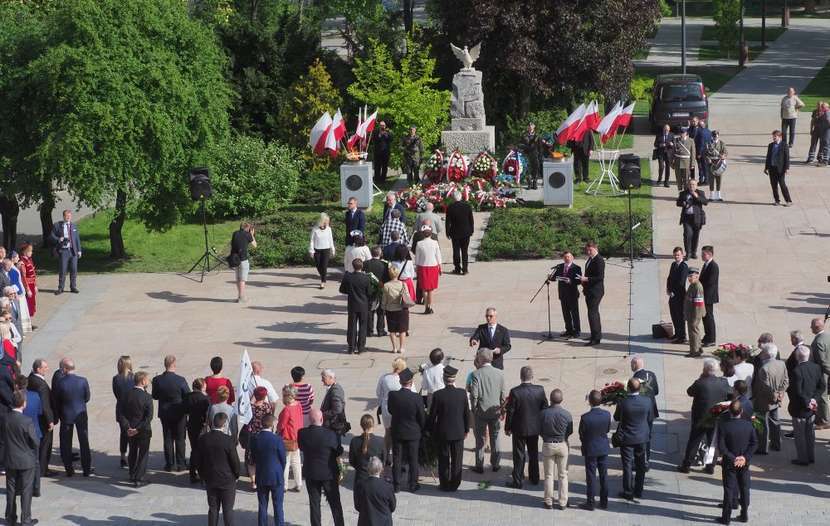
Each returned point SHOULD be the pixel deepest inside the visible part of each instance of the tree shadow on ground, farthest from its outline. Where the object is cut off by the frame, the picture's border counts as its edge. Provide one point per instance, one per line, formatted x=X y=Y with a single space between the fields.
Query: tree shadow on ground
x=175 y=297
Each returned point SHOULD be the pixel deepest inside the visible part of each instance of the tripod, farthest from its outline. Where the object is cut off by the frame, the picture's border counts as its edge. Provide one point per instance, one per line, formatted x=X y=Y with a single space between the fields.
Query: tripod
x=545 y=335
x=209 y=256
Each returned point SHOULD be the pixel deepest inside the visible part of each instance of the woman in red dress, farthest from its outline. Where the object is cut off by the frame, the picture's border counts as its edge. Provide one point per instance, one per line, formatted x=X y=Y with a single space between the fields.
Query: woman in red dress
x=216 y=380
x=28 y=275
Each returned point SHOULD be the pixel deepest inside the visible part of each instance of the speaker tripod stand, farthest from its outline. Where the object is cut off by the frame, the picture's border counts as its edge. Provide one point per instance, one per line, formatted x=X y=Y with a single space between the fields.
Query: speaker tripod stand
x=209 y=256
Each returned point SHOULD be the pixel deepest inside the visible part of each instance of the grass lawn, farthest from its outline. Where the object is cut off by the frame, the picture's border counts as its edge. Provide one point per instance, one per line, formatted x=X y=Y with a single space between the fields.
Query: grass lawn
x=714 y=52
x=750 y=33
x=818 y=89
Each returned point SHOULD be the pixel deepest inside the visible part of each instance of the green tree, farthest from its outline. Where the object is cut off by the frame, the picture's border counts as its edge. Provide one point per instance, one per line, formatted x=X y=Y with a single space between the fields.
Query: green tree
x=113 y=101
x=308 y=98
x=363 y=21
x=726 y=14
x=404 y=90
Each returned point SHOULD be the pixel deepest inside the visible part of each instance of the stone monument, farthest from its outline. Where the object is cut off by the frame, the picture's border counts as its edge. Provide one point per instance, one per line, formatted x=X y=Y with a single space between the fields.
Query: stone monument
x=468 y=126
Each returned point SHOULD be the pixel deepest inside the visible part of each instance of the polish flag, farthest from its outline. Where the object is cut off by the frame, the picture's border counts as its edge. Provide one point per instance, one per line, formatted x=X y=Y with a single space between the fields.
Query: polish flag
x=624 y=120
x=588 y=122
x=606 y=128
x=336 y=131
x=364 y=128
x=567 y=127
x=319 y=133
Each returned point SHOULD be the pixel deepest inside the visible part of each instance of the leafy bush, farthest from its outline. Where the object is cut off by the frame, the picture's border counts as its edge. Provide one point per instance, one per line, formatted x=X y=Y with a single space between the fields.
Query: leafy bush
x=665 y=8
x=318 y=185
x=531 y=233
x=251 y=178
x=727 y=13
x=546 y=121
x=640 y=88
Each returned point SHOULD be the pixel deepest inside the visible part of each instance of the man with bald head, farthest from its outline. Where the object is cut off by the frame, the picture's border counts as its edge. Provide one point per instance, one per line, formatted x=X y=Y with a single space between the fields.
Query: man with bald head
x=708 y=390
x=429 y=215
x=321 y=450
x=71 y=396
x=804 y=392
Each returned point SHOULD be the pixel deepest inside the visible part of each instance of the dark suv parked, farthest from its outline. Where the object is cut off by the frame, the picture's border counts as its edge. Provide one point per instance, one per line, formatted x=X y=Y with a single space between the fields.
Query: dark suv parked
x=675 y=99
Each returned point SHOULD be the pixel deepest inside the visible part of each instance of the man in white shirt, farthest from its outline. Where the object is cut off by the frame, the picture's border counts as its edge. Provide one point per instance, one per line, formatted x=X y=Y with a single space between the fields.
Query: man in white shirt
x=432 y=374
x=259 y=381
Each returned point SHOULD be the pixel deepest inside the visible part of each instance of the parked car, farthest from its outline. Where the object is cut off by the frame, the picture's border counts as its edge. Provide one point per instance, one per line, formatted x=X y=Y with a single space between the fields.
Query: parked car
x=676 y=98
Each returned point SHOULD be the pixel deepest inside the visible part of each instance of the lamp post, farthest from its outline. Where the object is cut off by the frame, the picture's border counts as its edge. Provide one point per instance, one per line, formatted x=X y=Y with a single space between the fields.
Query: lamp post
x=742 y=54
x=683 y=35
x=763 y=24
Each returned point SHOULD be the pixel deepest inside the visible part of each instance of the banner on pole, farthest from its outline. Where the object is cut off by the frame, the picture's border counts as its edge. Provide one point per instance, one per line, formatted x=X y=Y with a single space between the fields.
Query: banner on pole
x=245 y=389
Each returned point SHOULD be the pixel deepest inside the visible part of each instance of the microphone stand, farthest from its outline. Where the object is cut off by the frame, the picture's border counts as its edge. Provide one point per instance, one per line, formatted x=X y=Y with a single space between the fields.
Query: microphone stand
x=545 y=335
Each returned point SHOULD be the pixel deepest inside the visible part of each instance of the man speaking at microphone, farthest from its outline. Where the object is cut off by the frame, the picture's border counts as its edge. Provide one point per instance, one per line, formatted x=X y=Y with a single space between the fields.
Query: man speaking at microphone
x=568 y=274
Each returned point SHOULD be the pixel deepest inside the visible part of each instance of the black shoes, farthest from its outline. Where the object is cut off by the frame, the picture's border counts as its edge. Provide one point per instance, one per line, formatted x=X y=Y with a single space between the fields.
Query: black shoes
x=495 y=468
x=683 y=468
x=74 y=291
x=478 y=470
x=124 y=463
x=587 y=506
x=591 y=343
x=511 y=484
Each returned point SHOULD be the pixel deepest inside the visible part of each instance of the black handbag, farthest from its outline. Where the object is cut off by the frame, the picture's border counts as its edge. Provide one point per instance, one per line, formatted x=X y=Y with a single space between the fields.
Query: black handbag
x=616 y=439
x=234 y=260
x=244 y=436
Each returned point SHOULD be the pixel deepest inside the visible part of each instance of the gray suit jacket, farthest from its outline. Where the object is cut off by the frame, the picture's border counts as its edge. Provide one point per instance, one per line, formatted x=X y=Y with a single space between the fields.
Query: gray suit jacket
x=821 y=351
x=487 y=391
x=437 y=223
x=4 y=281
x=770 y=379
x=21 y=441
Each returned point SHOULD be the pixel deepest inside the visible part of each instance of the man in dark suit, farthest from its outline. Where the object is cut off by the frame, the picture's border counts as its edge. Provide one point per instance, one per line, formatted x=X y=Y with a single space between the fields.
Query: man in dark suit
x=567 y=276
x=380 y=270
x=218 y=464
x=692 y=217
x=37 y=383
x=136 y=419
x=449 y=422
x=375 y=500
x=594 y=289
x=648 y=380
x=635 y=415
x=524 y=423
x=709 y=275
x=67 y=241
x=493 y=336
x=392 y=203
x=171 y=390
x=357 y=286
x=268 y=454
x=321 y=449
x=408 y=422
x=776 y=165
x=355 y=220
x=736 y=443
x=706 y=391
x=806 y=387
x=676 y=291
x=383 y=145
x=333 y=406
x=21 y=446
x=71 y=396
x=460 y=226
x=197 y=405
x=593 y=435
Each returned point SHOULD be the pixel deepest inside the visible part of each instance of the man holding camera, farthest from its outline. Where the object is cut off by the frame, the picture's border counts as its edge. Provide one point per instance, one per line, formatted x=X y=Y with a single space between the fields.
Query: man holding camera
x=692 y=216
x=238 y=258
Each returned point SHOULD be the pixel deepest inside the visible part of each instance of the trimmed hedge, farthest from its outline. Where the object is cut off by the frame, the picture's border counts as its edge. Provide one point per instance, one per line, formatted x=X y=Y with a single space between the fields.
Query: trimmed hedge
x=534 y=233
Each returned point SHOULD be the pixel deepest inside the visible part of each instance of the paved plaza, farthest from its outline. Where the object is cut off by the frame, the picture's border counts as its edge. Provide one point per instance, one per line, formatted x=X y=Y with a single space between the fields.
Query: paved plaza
x=772 y=279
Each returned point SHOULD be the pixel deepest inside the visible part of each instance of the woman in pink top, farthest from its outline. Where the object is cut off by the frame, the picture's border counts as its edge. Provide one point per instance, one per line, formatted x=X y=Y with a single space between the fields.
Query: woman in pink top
x=288 y=427
x=216 y=380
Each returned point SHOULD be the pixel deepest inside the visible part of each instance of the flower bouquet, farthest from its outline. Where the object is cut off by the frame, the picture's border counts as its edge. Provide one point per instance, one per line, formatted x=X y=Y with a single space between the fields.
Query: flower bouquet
x=714 y=414
x=758 y=422
x=484 y=166
x=613 y=393
x=481 y=194
x=435 y=170
x=728 y=350
x=513 y=167
x=457 y=166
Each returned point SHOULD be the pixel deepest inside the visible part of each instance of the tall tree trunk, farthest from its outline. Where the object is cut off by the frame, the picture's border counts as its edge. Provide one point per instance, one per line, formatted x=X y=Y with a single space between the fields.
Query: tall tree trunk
x=116 y=238
x=408 y=15
x=47 y=205
x=9 y=209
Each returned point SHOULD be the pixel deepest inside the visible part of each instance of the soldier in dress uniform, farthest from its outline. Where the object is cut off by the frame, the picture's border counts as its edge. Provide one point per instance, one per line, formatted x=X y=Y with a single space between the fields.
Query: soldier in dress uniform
x=412 y=151
x=694 y=309
x=531 y=147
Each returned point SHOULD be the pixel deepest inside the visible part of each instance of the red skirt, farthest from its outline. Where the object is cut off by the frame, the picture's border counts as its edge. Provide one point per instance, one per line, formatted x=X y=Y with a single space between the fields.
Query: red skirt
x=410 y=286
x=428 y=277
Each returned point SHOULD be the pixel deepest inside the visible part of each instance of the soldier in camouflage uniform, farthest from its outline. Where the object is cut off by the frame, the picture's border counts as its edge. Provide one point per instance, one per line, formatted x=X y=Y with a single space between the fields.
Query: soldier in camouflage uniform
x=412 y=151
x=531 y=147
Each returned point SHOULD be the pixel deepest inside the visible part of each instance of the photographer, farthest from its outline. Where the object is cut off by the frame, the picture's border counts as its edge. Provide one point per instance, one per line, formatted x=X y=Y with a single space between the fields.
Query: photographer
x=692 y=216
x=238 y=258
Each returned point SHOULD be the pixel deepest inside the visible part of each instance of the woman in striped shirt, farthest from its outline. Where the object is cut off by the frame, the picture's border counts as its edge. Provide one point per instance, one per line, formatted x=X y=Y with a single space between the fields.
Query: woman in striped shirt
x=305 y=393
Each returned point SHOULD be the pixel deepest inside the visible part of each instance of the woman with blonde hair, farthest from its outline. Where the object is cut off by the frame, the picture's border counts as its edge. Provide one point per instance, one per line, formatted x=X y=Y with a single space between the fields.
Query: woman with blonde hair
x=122 y=383
x=395 y=303
x=387 y=383
x=288 y=426
x=362 y=448
x=222 y=406
x=321 y=246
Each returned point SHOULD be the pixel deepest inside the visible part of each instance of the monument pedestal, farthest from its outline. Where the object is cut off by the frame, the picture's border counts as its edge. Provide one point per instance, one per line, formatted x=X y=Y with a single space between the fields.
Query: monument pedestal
x=468 y=131
x=469 y=142
x=356 y=181
x=558 y=182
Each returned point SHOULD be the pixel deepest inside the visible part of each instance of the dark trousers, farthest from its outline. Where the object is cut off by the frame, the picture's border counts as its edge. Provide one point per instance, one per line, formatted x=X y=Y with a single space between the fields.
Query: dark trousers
x=123 y=441
x=220 y=498
x=70 y=263
x=696 y=435
x=405 y=449
x=531 y=443
x=663 y=168
x=173 y=431
x=193 y=437
x=714 y=182
x=594 y=321
x=19 y=482
x=80 y=424
x=676 y=310
x=770 y=436
x=570 y=313
x=356 y=330
x=315 y=489
x=815 y=141
x=276 y=494
x=776 y=180
x=709 y=324
x=702 y=170
x=735 y=487
x=634 y=469
x=381 y=166
x=788 y=125
x=450 y=462
x=824 y=147
x=411 y=167
x=321 y=261
x=45 y=452
x=534 y=169
x=137 y=459
x=580 y=165
x=459 y=253
x=691 y=237
x=594 y=465
x=376 y=321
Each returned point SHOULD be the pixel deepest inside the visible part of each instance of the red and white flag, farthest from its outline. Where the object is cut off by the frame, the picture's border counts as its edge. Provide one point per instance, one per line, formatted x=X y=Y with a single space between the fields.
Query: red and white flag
x=624 y=120
x=319 y=133
x=567 y=127
x=588 y=122
x=364 y=128
x=607 y=128
x=337 y=130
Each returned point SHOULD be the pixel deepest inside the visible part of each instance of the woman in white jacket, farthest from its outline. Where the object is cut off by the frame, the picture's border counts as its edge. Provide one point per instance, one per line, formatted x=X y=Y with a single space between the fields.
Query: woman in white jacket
x=321 y=247
x=428 y=266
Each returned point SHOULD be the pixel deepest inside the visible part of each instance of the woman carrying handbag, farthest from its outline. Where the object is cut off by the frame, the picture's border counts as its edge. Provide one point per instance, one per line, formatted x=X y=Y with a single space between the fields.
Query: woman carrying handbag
x=396 y=302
